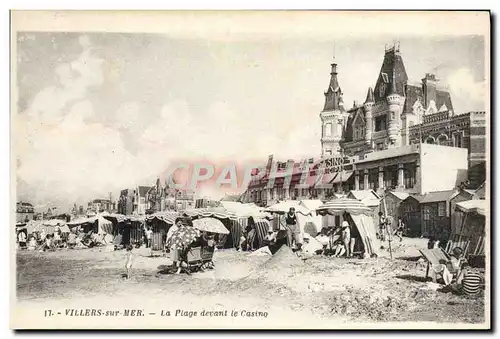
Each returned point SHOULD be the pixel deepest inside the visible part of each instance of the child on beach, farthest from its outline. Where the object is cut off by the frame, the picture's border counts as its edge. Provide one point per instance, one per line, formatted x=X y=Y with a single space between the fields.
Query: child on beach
x=128 y=261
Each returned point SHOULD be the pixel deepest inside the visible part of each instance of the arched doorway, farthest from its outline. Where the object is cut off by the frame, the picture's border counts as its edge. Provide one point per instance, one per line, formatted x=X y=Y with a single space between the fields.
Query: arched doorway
x=430 y=140
x=442 y=140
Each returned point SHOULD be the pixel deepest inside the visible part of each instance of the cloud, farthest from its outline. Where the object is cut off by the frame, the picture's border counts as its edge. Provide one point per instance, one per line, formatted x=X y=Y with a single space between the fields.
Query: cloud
x=466 y=93
x=128 y=116
x=62 y=155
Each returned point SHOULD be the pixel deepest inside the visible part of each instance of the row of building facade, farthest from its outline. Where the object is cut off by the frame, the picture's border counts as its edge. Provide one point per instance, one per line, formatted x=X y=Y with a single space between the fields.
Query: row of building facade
x=405 y=138
x=150 y=199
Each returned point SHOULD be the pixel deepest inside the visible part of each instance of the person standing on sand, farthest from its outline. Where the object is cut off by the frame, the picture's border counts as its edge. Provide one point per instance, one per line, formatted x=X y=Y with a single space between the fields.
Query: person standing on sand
x=346 y=237
x=128 y=261
x=149 y=237
x=293 y=230
x=381 y=225
x=175 y=255
x=21 y=237
x=400 y=230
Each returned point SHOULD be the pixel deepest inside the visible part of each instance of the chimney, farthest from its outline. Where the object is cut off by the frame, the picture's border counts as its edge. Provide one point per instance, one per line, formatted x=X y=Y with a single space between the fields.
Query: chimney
x=429 y=88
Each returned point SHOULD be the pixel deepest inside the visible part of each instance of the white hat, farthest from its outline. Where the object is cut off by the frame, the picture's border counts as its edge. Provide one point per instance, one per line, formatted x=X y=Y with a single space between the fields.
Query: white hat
x=345 y=224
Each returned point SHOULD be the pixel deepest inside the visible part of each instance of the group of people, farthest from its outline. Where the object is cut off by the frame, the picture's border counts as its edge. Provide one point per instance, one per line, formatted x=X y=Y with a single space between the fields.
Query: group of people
x=457 y=275
x=42 y=241
x=385 y=230
x=178 y=253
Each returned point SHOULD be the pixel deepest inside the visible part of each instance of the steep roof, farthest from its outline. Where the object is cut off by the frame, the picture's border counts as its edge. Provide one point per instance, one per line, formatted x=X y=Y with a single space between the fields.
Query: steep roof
x=369 y=96
x=413 y=93
x=438 y=196
x=363 y=194
x=417 y=197
x=443 y=98
x=392 y=64
x=333 y=95
x=349 y=133
x=400 y=195
x=143 y=190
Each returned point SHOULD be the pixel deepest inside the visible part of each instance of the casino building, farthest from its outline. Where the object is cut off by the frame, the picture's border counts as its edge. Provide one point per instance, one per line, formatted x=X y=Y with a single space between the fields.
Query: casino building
x=394 y=141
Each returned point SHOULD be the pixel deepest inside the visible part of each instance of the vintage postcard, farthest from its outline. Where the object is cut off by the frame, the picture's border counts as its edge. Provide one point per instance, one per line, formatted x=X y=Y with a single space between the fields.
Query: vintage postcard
x=250 y=170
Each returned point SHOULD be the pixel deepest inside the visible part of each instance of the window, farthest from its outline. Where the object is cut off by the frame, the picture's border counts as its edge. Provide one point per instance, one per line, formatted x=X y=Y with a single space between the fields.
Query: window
x=409 y=178
x=359 y=132
x=442 y=209
x=385 y=77
x=442 y=140
x=427 y=213
x=380 y=123
x=340 y=127
x=457 y=139
x=328 y=130
x=328 y=152
x=429 y=140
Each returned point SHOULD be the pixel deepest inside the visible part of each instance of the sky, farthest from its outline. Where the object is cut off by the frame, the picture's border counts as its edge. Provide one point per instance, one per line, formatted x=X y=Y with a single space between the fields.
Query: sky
x=101 y=112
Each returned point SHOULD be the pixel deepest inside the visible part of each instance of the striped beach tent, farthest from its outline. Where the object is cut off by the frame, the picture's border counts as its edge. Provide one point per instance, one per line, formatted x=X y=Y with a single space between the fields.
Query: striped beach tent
x=360 y=214
x=343 y=205
x=261 y=226
x=160 y=223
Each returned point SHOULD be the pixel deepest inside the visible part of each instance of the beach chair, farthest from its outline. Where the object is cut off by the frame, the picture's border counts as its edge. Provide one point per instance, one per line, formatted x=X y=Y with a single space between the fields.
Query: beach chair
x=479 y=249
x=433 y=257
x=463 y=244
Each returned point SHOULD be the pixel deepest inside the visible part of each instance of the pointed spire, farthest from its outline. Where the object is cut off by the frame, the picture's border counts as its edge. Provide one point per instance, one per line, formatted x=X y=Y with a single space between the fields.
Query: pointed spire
x=333 y=95
x=369 y=96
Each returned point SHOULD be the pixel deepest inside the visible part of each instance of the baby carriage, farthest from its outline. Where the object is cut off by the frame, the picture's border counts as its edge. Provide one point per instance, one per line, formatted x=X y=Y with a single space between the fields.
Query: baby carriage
x=199 y=256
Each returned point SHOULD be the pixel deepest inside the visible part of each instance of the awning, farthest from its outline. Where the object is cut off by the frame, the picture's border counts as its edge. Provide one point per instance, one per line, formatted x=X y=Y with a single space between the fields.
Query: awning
x=342 y=177
x=167 y=216
x=478 y=206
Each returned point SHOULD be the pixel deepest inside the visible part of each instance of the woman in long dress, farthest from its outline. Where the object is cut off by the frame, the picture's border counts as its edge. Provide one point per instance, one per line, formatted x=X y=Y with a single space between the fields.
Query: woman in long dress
x=175 y=254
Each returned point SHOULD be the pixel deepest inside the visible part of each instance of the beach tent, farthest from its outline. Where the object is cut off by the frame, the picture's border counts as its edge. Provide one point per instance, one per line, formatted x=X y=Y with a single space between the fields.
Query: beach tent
x=261 y=226
x=234 y=223
x=104 y=226
x=470 y=224
x=161 y=223
x=243 y=210
x=47 y=226
x=311 y=204
x=33 y=226
x=361 y=216
x=312 y=223
x=98 y=224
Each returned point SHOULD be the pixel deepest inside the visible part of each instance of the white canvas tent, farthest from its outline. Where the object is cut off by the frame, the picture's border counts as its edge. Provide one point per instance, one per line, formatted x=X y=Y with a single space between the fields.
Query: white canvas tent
x=104 y=226
x=360 y=214
x=310 y=224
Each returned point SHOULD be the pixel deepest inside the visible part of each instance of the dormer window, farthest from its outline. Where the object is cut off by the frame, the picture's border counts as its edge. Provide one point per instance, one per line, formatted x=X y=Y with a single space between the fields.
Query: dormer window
x=385 y=77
